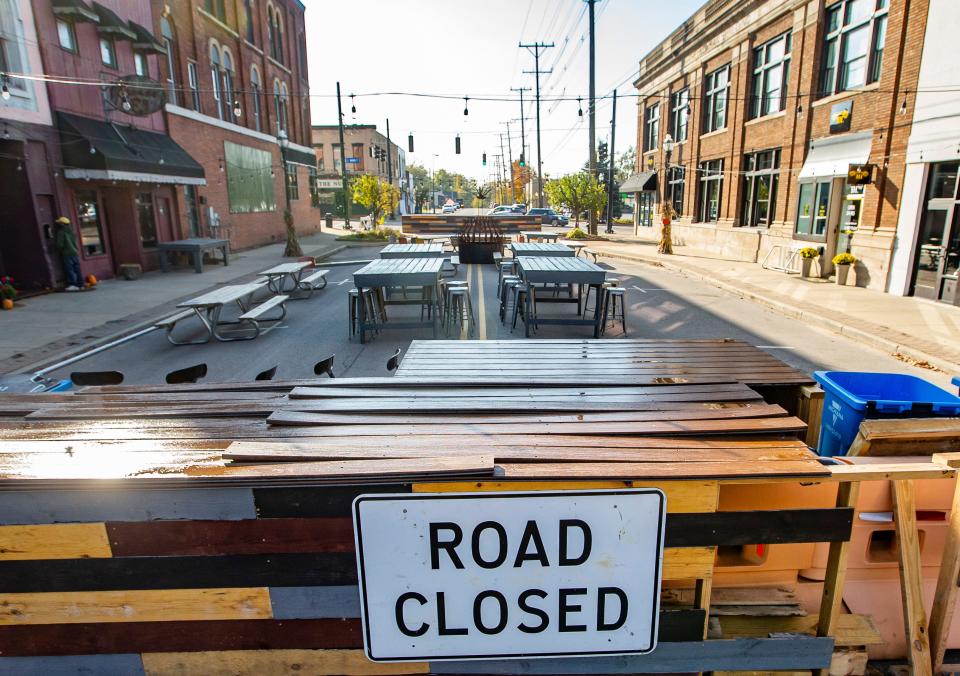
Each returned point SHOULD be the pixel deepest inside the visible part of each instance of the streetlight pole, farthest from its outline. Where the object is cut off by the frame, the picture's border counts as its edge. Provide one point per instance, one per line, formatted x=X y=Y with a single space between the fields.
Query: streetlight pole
x=610 y=157
x=284 y=144
x=343 y=163
x=389 y=169
x=433 y=184
x=666 y=234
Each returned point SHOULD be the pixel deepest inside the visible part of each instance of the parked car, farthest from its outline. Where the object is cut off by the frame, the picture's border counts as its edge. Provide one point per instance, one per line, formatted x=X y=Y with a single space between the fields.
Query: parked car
x=549 y=216
x=449 y=209
x=519 y=209
x=502 y=210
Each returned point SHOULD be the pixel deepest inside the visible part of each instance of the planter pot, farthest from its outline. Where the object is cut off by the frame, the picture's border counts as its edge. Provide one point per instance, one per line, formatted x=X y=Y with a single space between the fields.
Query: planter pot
x=842 y=272
x=130 y=271
x=806 y=264
x=7 y=303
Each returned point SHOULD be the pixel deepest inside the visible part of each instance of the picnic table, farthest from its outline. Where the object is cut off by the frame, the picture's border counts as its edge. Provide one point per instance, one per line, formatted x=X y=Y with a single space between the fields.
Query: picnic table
x=431 y=250
x=209 y=306
x=553 y=249
x=532 y=235
x=569 y=270
x=278 y=275
x=195 y=246
x=575 y=246
x=401 y=272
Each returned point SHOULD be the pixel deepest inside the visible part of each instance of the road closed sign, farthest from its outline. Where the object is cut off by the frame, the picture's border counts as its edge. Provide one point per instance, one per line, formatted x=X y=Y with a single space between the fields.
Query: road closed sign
x=457 y=576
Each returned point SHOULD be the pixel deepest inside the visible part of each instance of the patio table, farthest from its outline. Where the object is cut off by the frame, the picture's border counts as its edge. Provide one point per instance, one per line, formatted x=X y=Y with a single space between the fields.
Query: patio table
x=400 y=272
x=210 y=305
x=552 y=250
x=431 y=250
x=278 y=275
x=195 y=246
x=538 y=235
x=568 y=270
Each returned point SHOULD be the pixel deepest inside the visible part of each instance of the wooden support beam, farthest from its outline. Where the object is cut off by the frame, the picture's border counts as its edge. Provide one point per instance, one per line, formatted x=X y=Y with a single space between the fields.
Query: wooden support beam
x=701 y=600
x=911 y=582
x=945 y=598
x=810 y=410
x=830 y=604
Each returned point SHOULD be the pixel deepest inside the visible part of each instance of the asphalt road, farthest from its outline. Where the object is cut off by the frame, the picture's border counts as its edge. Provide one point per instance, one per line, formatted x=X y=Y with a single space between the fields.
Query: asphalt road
x=661 y=304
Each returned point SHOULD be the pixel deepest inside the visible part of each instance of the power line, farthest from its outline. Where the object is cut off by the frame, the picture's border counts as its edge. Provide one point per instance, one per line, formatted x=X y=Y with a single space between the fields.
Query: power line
x=536 y=48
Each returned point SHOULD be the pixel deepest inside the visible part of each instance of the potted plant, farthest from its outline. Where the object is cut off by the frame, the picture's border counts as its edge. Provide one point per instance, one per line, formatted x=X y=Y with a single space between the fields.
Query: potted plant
x=8 y=292
x=808 y=254
x=843 y=262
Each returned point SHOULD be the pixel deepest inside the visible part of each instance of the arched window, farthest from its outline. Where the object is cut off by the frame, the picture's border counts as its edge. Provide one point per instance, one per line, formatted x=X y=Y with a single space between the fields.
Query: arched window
x=256 y=91
x=169 y=40
x=278 y=23
x=284 y=99
x=271 y=32
x=248 y=13
x=215 y=78
x=280 y=105
x=227 y=79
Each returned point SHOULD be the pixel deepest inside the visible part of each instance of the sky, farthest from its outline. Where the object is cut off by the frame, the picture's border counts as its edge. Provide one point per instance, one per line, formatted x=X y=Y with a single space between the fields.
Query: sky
x=457 y=48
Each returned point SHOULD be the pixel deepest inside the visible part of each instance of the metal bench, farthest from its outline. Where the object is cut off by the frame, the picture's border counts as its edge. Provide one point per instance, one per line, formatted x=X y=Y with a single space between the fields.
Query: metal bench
x=311 y=283
x=170 y=322
x=255 y=315
x=595 y=254
x=454 y=262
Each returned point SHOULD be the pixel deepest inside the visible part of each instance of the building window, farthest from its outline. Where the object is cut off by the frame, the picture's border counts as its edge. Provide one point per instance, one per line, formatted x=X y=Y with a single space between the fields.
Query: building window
x=321 y=167
x=166 y=31
x=312 y=180
x=358 y=154
x=337 y=159
x=760 y=179
x=771 y=66
x=147 y=220
x=711 y=185
x=91 y=227
x=250 y=180
x=853 y=44
x=293 y=182
x=280 y=106
x=228 y=93
x=215 y=79
x=194 y=85
x=140 y=64
x=256 y=91
x=716 y=88
x=275 y=33
x=108 y=52
x=651 y=127
x=67 y=35
x=813 y=209
x=11 y=40
x=676 y=177
x=217 y=8
x=679 y=114
x=248 y=15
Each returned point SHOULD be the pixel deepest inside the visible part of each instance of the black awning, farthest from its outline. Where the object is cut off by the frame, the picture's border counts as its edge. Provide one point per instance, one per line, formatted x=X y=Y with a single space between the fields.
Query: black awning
x=123 y=153
x=642 y=182
x=112 y=25
x=297 y=156
x=74 y=10
x=145 y=41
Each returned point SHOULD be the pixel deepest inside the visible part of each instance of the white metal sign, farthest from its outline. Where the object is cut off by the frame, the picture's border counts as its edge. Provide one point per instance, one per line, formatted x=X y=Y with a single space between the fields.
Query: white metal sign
x=453 y=576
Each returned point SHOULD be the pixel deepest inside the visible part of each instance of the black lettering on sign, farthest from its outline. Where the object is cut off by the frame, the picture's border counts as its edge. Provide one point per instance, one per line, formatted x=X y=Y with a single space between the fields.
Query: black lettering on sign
x=602 y=593
x=501 y=543
x=527 y=608
x=398 y=610
x=442 y=628
x=449 y=546
x=531 y=534
x=570 y=608
x=478 y=607
x=566 y=525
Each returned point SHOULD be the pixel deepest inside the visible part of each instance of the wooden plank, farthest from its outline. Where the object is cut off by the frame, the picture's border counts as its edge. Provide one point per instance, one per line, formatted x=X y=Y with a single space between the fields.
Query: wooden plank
x=134 y=606
x=907 y=437
x=479 y=465
x=102 y=665
x=641 y=470
x=945 y=597
x=443 y=391
x=810 y=410
x=53 y=541
x=849 y=630
x=911 y=578
x=332 y=601
x=891 y=471
x=259 y=662
x=759 y=527
x=682 y=496
x=314 y=502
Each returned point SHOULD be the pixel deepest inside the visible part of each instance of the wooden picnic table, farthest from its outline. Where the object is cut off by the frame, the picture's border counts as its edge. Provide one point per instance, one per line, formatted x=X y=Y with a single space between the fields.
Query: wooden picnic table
x=431 y=250
x=535 y=235
x=553 y=249
x=195 y=246
x=210 y=305
x=278 y=275
x=571 y=271
x=401 y=272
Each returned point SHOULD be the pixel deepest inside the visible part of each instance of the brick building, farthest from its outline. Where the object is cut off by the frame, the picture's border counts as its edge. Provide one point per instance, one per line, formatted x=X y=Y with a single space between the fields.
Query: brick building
x=367 y=153
x=238 y=98
x=769 y=103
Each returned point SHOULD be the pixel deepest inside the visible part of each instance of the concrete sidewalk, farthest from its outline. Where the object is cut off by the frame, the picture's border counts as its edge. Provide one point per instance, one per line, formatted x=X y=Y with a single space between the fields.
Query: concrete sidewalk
x=916 y=329
x=42 y=329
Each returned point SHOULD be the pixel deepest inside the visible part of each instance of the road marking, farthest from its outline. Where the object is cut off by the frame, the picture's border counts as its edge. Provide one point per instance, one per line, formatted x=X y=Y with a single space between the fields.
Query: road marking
x=271 y=328
x=481 y=307
x=637 y=288
x=343 y=281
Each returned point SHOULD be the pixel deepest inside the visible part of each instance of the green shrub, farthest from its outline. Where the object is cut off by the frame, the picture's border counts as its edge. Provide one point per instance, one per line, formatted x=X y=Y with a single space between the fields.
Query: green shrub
x=576 y=233
x=375 y=235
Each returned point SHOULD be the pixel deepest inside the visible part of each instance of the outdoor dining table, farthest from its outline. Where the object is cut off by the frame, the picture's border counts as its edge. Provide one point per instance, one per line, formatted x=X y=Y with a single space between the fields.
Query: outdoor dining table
x=575 y=247
x=431 y=250
x=400 y=272
x=278 y=275
x=539 y=235
x=569 y=270
x=209 y=306
x=552 y=250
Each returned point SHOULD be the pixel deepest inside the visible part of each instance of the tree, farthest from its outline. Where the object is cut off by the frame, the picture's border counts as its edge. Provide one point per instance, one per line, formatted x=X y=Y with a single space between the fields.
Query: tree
x=480 y=195
x=378 y=196
x=293 y=244
x=421 y=195
x=667 y=213
x=625 y=165
x=578 y=192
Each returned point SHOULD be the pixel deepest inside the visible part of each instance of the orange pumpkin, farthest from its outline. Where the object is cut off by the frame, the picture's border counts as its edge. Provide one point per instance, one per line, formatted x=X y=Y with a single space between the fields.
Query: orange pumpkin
x=7 y=303
x=92 y=280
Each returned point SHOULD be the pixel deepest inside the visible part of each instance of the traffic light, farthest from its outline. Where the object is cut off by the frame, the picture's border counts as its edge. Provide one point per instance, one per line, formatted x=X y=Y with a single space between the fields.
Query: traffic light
x=456 y=145
x=410 y=143
x=523 y=162
x=484 y=159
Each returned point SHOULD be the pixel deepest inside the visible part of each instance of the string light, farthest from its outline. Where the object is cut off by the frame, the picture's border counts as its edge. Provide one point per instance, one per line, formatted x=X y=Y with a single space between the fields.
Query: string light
x=799 y=110
x=903 y=106
x=353 y=105
x=19 y=166
x=93 y=151
x=236 y=108
x=6 y=132
x=579 y=107
x=220 y=160
x=466 y=104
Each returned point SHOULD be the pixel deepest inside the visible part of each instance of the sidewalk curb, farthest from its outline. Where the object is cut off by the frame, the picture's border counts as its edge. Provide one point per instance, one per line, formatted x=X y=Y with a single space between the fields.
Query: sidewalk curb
x=126 y=331
x=865 y=333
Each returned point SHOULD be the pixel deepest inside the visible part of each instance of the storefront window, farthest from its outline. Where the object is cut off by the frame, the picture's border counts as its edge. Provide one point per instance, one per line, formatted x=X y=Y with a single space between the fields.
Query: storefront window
x=711 y=184
x=943 y=180
x=761 y=177
x=646 y=206
x=91 y=227
x=850 y=218
x=813 y=209
x=293 y=182
x=146 y=220
x=675 y=184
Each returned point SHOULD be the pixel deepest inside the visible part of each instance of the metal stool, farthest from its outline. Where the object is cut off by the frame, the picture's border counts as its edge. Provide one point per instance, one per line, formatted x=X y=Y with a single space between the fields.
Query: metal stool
x=371 y=309
x=445 y=286
x=507 y=266
x=520 y=292
x=509 y=282
x=610 y=283
x=461 y=307
x=615 y=295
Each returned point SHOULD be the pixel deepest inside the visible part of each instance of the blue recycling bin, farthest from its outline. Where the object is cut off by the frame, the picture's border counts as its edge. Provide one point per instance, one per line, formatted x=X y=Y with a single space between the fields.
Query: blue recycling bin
x=851 y=397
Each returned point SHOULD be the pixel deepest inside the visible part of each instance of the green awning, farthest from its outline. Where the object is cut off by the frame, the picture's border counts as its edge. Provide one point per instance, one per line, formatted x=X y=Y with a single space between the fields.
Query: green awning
x=112 y=25
x=145 y=41
x=74 y=10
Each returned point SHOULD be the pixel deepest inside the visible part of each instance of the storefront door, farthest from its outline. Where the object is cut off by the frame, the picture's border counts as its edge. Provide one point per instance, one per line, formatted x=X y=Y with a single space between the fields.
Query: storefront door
x=645 y=208
x=937 y=257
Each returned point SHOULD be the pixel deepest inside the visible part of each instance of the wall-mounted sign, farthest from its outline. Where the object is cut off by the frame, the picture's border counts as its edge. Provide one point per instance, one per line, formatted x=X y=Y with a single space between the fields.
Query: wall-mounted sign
x=137 y=95
x=329 y=184
x=455 y=576
x=860 y=174
x=840 y=116
x=353 y=160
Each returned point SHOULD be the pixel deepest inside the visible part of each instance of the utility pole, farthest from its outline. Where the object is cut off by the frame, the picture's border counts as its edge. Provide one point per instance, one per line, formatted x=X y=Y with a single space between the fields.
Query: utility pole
x=593 y=109
x=343 y=162
x=511 y=168
x=610 y=156
x=513 y=190
x=535 y=49
x=523 y=133
x=390 y=168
